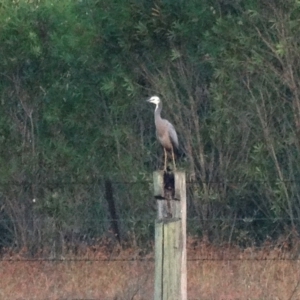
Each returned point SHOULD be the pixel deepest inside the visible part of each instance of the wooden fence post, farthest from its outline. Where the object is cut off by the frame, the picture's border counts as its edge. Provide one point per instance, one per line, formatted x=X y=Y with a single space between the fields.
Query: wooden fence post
x=170 y=236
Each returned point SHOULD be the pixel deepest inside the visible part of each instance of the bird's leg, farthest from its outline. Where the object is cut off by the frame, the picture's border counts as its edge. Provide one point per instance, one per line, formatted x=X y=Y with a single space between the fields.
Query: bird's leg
x=173 y=159
x=165 y=164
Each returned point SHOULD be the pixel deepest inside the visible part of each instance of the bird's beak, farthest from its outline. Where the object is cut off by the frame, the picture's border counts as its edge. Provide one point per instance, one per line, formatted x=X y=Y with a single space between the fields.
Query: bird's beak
x=149 y=99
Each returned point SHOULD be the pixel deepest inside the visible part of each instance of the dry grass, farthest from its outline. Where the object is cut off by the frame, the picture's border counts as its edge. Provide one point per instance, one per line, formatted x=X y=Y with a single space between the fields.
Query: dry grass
x=225 y=273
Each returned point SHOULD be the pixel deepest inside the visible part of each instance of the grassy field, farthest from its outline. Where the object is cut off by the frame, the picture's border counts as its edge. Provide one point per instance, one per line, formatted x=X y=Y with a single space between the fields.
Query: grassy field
x=226 y=273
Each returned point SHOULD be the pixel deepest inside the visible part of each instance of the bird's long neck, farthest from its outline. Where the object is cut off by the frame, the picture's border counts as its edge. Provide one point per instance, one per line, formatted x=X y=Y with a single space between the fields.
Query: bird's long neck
x=157 y=111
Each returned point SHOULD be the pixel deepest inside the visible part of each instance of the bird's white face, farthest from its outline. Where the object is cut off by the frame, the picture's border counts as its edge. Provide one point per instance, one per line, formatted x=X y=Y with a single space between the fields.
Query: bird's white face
x=154 y=99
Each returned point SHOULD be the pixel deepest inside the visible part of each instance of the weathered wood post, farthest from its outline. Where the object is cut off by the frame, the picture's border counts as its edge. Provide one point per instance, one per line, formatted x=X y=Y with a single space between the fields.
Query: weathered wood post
x=170 y=236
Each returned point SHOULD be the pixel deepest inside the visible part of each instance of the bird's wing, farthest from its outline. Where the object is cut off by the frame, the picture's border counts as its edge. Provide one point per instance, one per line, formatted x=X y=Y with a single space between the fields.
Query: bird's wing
x=173 y=134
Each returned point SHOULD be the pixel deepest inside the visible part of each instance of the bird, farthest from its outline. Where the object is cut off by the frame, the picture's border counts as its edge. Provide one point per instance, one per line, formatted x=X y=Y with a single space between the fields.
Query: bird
x=165 y=132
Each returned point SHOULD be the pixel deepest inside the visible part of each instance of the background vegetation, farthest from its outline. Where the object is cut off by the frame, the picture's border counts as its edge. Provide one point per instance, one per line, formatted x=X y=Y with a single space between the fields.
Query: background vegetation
x=74 y=77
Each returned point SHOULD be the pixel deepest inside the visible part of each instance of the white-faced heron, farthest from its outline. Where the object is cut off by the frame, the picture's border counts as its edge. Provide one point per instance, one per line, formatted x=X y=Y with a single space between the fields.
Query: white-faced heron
x=165 y=131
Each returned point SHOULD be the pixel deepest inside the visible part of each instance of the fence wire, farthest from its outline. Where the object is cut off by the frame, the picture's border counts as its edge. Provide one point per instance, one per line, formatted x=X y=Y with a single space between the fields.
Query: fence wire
x=66 y=241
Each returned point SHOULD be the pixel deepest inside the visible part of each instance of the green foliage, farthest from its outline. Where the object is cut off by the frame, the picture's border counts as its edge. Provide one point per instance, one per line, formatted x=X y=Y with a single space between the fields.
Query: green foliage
x=73 y=78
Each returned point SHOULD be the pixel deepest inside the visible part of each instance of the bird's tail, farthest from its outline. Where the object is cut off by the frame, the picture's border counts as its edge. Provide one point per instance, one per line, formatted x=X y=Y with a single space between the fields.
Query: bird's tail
x=179 y=153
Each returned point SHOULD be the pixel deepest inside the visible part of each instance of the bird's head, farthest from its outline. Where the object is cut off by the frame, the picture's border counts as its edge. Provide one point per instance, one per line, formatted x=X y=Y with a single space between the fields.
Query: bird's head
x=154 y=99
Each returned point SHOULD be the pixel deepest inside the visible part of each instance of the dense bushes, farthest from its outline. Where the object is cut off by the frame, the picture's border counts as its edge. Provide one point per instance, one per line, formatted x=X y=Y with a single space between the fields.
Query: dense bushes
x=74 y=76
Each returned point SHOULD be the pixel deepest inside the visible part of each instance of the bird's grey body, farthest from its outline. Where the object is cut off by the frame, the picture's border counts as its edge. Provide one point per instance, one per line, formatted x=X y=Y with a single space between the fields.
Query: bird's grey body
x=165 y=131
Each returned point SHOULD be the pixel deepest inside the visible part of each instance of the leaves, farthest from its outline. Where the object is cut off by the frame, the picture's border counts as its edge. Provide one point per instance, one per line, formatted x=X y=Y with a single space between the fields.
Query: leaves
x=74 y=76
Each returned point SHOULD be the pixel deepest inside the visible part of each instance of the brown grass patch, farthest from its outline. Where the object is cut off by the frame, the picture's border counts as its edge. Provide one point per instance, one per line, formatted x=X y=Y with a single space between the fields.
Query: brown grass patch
x=221 y=273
